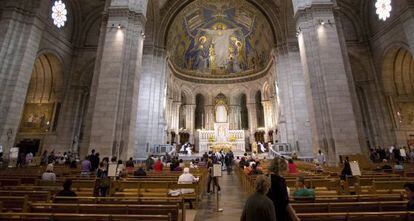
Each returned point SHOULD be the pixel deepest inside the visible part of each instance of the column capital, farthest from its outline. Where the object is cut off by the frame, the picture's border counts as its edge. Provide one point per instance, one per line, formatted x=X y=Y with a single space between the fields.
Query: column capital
x=137 y=6
x=302 y=5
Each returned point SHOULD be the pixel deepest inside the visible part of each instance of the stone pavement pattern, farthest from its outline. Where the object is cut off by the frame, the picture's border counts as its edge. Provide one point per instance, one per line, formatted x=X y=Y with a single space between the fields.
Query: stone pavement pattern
x=232 y=200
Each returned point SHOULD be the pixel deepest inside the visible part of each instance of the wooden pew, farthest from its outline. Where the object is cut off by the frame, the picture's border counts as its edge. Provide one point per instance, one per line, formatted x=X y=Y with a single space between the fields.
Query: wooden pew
x=35 y=196
x=171 y=210
x=126 y=200
x=378 y=206
x=80 y=217
x=358 y=216
x=14 y=203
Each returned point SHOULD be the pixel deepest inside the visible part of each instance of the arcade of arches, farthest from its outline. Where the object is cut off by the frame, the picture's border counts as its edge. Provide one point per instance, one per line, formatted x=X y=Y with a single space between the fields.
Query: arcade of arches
x=123 y=75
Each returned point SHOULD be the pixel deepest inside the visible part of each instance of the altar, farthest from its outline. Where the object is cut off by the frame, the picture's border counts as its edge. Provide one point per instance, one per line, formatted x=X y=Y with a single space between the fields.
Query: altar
x=221 y=138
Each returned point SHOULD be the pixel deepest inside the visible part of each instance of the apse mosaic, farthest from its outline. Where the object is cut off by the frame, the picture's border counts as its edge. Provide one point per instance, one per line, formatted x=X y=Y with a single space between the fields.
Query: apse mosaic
x=215 y=37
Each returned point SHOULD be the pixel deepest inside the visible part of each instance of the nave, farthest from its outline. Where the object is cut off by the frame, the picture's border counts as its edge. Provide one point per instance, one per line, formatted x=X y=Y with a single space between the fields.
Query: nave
x=380 y=192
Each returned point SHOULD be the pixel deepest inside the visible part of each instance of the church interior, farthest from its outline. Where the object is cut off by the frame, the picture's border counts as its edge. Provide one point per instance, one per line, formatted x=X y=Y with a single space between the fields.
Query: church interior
x=233 y=95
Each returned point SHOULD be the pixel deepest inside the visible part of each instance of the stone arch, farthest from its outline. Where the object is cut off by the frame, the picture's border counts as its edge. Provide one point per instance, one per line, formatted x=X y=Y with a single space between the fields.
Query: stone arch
x=266 y=91
x=46 y=83
x=398 y=72
x=44 y=95
x=171 y=9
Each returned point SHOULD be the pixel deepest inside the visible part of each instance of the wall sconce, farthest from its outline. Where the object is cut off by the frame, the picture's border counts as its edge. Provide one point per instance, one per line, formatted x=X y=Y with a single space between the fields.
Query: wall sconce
x=142 y=35
x=322 y=22
x=119 y=26
x=9 y=134
x=298 y=32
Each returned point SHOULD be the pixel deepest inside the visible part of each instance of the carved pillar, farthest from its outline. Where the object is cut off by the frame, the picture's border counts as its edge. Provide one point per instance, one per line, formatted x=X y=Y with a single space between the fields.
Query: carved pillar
x=407 y=19
x=115 y=108
x=251 y=109
x=21 y=28
x=175 y=118
x=330 y=101
x=209 y=117
x=189 y=121
x=234 y=112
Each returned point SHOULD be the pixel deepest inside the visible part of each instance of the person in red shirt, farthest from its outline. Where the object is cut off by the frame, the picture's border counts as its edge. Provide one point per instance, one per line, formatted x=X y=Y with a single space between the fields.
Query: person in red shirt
x=158 y=166
x=292 y=167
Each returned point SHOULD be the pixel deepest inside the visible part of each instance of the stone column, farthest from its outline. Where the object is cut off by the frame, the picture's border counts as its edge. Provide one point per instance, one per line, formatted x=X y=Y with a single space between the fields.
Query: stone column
x=235 y=117
x=332 y=117
x=293 y=122
x=190 y=119
x=209 y=117
x=407 y=20
x=251 y=109
x=268 y=113
x=21 y=28
x=175 y=121
x=113 y=125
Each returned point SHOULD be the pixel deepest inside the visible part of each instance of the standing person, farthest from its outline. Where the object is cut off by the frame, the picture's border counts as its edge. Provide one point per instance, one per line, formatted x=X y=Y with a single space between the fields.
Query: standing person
x=102 y=180
x=292 y=167
x=29 y=158
x=409 y=190
x=93 y=159
x=49 y=175
x=43 y=159
x=86 y=167
x=346 y=171
x=130 y=165
x=149 y=163
x=211 y=178
x=228 y=160
x=278 y=192
x=21 y=160
x=158 y=166
x=258 y=206
x=321 y=158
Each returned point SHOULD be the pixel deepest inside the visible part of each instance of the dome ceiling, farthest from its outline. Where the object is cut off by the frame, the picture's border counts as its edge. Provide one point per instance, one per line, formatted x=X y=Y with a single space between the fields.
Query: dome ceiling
x=219 y=39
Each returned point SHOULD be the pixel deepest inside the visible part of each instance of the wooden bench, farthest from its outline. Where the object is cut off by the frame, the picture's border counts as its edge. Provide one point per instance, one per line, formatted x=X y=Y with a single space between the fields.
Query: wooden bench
x=79 y=217
x=113 y=209
x=350 y=207
x=358 y=216
x=14 y=203
x=36 y=196
x=126 y=201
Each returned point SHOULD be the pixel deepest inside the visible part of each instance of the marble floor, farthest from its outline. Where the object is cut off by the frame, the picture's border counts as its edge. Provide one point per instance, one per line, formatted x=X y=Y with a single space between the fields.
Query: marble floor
x=232 y=199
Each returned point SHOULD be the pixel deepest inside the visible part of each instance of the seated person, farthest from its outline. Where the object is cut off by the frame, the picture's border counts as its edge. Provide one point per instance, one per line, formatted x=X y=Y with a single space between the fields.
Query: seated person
x=86 y=166
x=398 y=166
x=242 y=162
x=67 y=189
x=255 y=170
x=130 y=165
x=120 y=169
x=292 y=167
x=409 y=190
x=49 y=175
x=187 y=178
x=247 y=170
x=301 y=190
x=140 y=171
x=318 y=168
x=158 y=166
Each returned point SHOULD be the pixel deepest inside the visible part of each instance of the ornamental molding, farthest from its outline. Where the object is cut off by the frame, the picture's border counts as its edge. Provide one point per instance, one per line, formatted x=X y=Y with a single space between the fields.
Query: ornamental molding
x=220 y=79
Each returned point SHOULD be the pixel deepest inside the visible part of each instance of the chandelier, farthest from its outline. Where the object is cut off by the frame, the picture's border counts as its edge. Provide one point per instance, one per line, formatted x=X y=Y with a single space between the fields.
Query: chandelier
x=383 y=9
x=59 y=13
